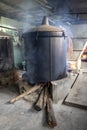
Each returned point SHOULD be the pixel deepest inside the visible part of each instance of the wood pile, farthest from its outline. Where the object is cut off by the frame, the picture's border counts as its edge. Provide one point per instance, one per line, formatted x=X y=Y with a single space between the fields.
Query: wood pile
x=44 y=97
x=43 y=101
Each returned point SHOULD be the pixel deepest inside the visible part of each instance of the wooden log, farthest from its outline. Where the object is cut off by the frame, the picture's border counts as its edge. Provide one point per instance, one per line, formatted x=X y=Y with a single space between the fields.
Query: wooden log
x=51 y=120
x=39 y=103
x=45 y=97
x=33 y=89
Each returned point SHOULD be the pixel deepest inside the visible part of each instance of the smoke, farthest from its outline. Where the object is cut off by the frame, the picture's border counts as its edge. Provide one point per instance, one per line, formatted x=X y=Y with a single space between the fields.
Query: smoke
x=61 y=17
x=33 y=15
x=67 y=29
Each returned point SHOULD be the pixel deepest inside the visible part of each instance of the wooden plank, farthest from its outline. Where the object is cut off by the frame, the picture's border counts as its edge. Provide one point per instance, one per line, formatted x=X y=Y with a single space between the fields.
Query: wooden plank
x=78 y=94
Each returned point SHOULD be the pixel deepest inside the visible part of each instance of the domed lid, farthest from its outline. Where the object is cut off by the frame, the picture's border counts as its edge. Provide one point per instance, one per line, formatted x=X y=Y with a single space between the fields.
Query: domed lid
x=46 y=27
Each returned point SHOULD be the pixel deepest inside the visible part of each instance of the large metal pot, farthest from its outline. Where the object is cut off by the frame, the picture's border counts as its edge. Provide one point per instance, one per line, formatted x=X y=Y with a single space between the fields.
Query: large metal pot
x=45 y=53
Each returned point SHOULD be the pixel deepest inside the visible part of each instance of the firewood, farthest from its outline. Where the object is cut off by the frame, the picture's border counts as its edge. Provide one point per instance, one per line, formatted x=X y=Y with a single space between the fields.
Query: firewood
x=51 y=120
x=39 y=103
x=33 y=89
x=45 y=97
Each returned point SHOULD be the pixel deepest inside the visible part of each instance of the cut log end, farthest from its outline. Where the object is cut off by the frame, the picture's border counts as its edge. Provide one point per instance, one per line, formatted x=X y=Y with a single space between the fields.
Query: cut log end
x=37 y=108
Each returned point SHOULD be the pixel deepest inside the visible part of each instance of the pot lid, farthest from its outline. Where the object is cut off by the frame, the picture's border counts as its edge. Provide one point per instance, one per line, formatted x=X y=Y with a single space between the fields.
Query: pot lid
x=46 y=27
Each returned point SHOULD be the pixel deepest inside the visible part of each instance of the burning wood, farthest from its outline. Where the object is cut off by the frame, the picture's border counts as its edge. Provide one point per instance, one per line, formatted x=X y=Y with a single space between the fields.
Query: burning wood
x=45 y=97
x=39 y=103
x=44 y=101
x=51 y=120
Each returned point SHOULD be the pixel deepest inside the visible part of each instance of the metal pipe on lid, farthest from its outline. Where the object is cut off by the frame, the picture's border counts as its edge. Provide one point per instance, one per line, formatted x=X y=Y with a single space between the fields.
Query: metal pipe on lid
x=45 y=21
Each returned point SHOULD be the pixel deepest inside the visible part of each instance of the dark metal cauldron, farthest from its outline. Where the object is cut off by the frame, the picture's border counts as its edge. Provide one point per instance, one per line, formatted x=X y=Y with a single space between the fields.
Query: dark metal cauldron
x=45 y=53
